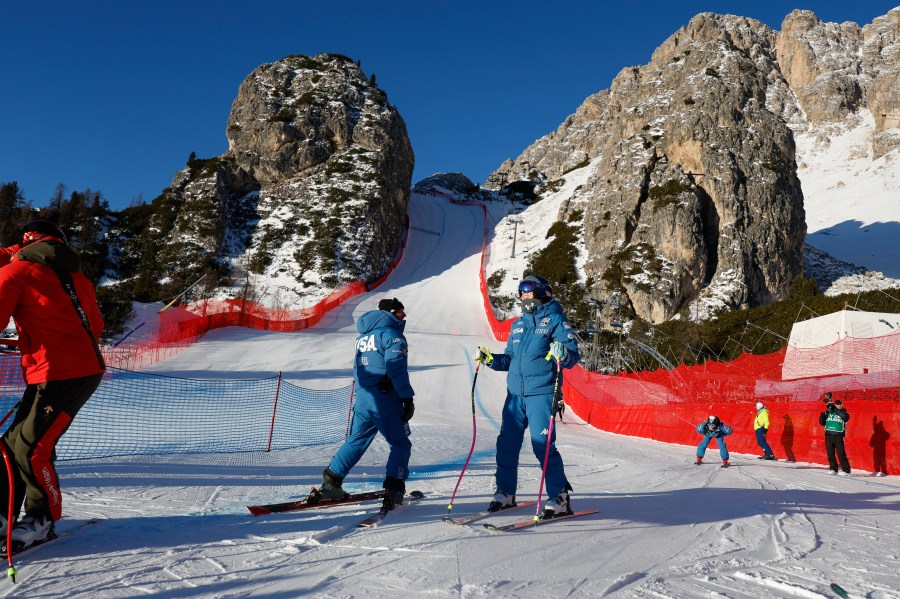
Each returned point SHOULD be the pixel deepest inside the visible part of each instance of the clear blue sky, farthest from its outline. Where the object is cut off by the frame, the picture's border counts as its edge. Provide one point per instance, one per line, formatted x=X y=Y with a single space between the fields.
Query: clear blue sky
x=114 y=96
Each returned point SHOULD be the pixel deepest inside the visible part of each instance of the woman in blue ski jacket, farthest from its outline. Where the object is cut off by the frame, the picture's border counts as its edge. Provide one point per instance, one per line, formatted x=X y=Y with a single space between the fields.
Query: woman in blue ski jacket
x=541 y=343
x=384 y=403
x=713 y=428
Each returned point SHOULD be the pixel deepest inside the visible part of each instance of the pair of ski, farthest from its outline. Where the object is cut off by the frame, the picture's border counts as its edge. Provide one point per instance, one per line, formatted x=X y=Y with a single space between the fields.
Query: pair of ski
x=19 y=549
x=315 y=501
x=517 y=525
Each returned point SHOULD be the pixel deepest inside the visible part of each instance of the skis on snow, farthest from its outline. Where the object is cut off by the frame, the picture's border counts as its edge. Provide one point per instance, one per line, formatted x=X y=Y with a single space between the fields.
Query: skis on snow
x=376 y=518
x=485 y=514
x=531 y=522
x=313 y=501
x=839 y=591
x=19 y=550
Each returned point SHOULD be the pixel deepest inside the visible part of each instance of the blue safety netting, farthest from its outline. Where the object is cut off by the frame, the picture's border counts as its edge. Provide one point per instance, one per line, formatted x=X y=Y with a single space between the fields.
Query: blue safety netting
x=138 y=413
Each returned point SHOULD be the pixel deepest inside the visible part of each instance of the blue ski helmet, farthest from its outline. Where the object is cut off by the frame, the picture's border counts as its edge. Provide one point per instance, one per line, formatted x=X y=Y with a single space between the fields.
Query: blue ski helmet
x=543 y=292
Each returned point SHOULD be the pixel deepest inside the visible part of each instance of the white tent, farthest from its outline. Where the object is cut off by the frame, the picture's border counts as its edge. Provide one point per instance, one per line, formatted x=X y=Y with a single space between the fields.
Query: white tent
x=845 y=342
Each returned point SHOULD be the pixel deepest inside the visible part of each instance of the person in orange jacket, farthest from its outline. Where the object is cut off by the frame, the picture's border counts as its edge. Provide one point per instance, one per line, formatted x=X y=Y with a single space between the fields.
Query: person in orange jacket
x=58 y=321
x=7 y=253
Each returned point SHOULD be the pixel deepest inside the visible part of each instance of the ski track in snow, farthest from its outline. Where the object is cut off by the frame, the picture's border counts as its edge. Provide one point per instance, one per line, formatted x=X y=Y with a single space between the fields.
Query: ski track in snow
x=177 y=526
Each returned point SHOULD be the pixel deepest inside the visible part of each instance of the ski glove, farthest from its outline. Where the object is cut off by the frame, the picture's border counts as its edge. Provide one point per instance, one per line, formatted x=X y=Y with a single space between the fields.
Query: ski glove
x=558 y=351
x=483 y=355
x=409 y=408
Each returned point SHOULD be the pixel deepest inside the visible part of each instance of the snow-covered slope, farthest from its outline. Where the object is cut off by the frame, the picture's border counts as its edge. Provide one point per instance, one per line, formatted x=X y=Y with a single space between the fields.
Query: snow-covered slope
x=177 y=527
x=852 y=199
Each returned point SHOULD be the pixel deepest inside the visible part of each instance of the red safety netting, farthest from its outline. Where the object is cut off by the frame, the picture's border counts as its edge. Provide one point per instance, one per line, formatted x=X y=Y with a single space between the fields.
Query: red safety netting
x=667 y=405
x=184 y=325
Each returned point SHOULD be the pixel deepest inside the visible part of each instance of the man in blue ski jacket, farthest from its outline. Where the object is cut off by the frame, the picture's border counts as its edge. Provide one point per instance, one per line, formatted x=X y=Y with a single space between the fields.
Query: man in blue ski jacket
x=713 y=428
x=541 y=343
x=384 y=403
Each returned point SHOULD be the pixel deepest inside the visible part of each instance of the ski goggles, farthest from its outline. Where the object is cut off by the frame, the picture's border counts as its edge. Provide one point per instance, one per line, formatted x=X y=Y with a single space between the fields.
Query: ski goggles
x=527 y=287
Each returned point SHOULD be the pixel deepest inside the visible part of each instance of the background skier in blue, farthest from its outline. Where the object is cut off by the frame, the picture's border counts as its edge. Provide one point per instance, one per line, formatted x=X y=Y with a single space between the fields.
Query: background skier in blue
x=384 y=402
x=713 y=428
x=539 y=340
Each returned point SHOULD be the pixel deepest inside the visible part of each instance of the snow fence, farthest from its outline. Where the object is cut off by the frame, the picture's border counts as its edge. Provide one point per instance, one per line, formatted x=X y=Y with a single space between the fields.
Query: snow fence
x=135 y=413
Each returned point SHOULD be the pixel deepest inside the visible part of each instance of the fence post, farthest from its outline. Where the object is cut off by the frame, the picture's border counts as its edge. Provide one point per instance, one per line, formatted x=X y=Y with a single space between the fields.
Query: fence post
x=274 y=408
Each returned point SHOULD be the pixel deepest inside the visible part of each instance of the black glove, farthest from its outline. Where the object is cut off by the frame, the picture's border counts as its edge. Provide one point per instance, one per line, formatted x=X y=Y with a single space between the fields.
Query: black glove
x=409 y=408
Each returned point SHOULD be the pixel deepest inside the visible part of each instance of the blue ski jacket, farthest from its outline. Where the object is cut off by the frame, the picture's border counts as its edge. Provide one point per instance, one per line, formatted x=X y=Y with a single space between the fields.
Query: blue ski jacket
x=530 y=372
x=718 y=432
x=381 y=353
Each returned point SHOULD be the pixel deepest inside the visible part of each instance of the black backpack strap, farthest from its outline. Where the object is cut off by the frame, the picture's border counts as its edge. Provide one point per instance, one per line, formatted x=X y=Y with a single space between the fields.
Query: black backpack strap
x=69 y=285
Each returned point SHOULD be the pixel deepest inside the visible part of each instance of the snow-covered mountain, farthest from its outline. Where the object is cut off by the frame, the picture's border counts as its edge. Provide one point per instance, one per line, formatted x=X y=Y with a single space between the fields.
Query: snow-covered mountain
x=683 y=200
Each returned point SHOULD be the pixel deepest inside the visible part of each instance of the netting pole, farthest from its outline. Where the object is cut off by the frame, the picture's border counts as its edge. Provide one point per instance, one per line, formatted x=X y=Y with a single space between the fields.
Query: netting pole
x=350 y=410
x=274 y=409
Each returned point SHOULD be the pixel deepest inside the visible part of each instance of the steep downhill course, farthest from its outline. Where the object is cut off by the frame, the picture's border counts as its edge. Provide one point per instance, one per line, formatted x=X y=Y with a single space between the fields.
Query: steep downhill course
x=178 y=527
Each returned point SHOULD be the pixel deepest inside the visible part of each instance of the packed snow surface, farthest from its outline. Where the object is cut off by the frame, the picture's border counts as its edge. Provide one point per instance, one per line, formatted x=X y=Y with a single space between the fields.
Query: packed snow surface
x=178 y=527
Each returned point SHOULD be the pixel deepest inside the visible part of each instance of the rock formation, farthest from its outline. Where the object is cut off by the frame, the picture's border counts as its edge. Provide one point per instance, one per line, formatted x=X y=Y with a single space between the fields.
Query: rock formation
x=313 y=189
x=693 y=188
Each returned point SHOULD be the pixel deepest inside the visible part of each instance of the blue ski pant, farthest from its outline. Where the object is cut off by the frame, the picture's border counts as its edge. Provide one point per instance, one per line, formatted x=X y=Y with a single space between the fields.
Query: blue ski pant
x=532 y=412
x=375 y=412
x=761 y=441
x=723 y=450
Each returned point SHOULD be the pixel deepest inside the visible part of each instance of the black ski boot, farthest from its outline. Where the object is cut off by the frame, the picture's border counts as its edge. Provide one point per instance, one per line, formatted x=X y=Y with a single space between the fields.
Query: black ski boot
x=331 y=489
x=395 y=490
x=502 y=501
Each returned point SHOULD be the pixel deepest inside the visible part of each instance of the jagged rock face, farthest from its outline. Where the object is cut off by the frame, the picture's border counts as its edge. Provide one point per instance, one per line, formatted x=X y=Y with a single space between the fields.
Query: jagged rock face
x=577 y=140
x=456 y=182
x=695 y=186
x=822 y=64
x=835 y=69
x=215 y=198
x=314 y=186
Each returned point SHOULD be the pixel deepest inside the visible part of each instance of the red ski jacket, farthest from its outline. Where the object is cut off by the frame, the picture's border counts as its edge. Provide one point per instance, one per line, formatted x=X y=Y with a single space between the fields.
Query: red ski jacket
x=52 y=339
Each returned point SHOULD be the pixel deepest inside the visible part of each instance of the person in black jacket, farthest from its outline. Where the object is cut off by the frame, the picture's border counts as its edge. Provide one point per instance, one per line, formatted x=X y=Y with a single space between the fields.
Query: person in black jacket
x=834 y=419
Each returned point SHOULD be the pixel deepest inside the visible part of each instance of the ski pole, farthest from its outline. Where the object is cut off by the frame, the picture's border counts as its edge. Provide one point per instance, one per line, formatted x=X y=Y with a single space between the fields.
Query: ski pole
x=680 y=418
x=11 y=572
x=10 y=508
x=537 y=511
x=472 y=448
x=741 y=419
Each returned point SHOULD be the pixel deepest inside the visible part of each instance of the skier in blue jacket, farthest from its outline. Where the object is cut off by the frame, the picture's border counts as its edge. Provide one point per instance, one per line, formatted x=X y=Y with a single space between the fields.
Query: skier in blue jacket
x=541 y=343
x=713 y=428
x=384 y=403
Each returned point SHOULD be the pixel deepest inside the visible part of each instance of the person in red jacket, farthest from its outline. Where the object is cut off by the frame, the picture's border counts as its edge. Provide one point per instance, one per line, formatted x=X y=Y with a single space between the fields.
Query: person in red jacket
x=58 y=321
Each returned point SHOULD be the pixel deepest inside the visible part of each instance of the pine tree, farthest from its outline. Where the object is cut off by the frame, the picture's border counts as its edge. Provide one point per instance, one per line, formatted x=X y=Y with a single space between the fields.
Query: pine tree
x=13 y=212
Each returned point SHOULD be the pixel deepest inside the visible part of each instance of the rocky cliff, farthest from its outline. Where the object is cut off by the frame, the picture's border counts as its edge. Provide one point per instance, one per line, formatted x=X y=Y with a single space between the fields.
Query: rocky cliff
x=692 y=187
x=314 y=186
